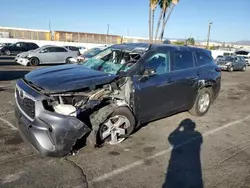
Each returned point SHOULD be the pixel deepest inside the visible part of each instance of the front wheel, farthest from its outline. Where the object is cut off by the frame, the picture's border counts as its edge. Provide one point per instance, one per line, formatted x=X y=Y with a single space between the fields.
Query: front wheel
x=117 y=127
x=230 y=69
x=202 y=102
x=34 y=61
x=67 y=61
x=7 y=52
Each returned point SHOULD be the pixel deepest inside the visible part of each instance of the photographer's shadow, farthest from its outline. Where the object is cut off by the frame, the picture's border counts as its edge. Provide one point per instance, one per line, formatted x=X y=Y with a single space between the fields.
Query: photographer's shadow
x=184 y=169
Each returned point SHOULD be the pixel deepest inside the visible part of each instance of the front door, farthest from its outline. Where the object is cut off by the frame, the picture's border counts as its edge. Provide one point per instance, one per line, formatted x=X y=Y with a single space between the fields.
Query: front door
x=153 y=95
x=47 y=55
x=17 y=48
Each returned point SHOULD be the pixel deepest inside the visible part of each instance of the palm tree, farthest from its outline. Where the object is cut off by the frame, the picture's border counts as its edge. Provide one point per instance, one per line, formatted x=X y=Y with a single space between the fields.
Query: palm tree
x=154 y=4
x=163 y=5
x=152 y=8
x=149 y=21
x=164 y=21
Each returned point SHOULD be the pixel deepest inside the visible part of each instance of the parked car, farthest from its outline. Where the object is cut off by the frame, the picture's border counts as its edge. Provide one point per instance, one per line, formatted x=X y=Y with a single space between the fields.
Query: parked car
x=231 y=63
x=245 y=54
x=111 y=94
x=18 y=48
x=4 y=44
x=82 y=49
x=217 y=58
x=88 y=54
x=45 y=55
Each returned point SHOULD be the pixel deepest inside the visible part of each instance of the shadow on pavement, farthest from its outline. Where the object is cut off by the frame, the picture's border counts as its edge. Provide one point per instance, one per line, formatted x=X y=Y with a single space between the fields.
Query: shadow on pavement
x=12 y=75
x=184 y=169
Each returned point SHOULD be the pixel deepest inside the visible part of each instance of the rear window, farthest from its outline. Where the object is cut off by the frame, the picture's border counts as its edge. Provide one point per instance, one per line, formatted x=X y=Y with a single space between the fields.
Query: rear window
x=203 y=58
x=181 y=60
x=73 y=48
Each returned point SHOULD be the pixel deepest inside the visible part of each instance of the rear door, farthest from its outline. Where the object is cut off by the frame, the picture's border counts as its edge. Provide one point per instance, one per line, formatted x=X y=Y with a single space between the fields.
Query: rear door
x=184 y=76
x=209 y=72
x=61 y=54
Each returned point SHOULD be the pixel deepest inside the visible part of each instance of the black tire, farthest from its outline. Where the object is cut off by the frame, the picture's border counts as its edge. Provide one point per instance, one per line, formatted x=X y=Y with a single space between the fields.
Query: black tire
x=195 y=109
x=67 y=61
x=121 y=111
x=244 y=68
x=230 y=69
x=34 y=61
x=7 y=52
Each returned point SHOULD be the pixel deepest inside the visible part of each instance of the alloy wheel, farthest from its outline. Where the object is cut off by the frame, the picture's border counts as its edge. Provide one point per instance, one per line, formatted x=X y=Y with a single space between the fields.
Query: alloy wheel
x=114 y=129
x=204 y=102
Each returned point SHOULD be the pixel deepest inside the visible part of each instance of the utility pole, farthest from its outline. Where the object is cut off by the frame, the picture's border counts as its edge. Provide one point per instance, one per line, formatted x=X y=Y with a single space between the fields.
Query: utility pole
x=107 y=33
x=208 y=35
x=50 y=31
x=127 y=32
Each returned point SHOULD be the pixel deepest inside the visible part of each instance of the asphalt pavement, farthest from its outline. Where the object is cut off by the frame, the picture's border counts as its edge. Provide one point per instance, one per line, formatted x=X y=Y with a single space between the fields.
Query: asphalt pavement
x=211 y=151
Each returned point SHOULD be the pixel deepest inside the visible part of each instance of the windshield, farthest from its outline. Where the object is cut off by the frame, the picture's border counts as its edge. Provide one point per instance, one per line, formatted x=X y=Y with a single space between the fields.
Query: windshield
x=112 y=61
x=227 y=58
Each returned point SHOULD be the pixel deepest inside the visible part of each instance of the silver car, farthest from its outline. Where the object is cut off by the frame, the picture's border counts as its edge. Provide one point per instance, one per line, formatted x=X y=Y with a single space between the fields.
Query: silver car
x=45 y=55
x=231 y=63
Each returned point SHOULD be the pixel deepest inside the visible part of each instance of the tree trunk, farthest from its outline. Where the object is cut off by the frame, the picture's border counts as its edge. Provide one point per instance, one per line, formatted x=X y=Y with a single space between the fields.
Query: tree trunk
x=165 y=22
x=152 y=25
x=149 y=22
x=158 y=25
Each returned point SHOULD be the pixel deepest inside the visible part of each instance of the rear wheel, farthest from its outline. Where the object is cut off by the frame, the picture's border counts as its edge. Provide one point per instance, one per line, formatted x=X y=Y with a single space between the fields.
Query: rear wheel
x=34 y=61
x=202 y=102
x=117 y=127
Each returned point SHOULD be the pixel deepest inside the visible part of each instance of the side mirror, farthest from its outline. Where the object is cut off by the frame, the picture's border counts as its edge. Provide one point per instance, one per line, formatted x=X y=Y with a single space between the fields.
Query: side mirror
x=148 y=72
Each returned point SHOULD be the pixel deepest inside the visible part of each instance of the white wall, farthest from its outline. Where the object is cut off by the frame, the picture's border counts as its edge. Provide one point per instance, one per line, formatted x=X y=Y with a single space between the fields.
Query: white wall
x=45 y=42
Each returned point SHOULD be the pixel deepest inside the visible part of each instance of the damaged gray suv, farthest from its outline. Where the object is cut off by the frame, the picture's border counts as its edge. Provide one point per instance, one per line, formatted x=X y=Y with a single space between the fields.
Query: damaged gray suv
x=107 y=97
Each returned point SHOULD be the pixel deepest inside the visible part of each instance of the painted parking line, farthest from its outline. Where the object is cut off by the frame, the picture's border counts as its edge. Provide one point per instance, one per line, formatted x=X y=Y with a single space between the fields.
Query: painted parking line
x=10 y=112
x=8 y=123
x=163 y=152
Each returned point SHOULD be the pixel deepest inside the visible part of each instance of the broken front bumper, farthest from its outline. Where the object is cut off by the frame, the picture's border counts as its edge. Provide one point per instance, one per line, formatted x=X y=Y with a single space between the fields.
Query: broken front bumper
x=49 y=133
x=22 y=61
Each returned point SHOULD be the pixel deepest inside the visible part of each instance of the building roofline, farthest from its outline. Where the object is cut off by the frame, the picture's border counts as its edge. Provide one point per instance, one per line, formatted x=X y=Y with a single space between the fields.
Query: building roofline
x=23 y=29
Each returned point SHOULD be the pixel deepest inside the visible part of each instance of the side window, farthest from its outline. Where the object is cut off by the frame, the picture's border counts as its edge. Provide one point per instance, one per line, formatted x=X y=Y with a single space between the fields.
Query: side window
x=159 y=62
x=18 y=44
x=58 y=49
x=48 y=50
x=203 y=58
x=181 y=60
x=73 y=48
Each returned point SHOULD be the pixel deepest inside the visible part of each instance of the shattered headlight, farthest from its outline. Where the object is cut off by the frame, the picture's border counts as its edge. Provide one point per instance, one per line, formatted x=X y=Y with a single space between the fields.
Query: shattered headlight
x=65 y=109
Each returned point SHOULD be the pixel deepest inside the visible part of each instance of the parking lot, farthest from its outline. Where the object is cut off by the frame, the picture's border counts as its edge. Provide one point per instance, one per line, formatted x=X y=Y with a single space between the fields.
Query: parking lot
x=215 y=154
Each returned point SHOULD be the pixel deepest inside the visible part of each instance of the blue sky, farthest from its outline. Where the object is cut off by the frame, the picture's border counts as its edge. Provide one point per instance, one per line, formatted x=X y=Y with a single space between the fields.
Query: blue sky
x=191 y=17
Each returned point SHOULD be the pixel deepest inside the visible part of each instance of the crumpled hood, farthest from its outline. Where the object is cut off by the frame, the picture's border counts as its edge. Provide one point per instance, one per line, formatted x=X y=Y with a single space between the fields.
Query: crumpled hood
x=67 y=78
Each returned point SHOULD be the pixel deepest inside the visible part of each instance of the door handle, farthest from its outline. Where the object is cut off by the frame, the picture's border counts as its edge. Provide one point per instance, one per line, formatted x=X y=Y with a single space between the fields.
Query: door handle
x=169 y=81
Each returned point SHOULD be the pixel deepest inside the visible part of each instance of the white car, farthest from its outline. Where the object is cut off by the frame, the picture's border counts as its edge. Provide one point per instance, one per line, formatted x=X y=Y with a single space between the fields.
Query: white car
x=87 y=54
x=82 y=49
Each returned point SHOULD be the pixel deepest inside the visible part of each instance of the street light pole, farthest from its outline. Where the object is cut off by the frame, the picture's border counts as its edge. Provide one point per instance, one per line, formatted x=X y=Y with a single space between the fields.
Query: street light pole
x=107 y=33
x=208 y=35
